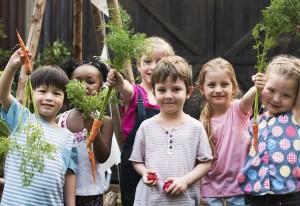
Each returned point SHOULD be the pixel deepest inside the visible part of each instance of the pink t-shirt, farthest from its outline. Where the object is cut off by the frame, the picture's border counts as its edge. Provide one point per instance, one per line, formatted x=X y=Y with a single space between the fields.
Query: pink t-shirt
x=231 y=140
x=129 y=117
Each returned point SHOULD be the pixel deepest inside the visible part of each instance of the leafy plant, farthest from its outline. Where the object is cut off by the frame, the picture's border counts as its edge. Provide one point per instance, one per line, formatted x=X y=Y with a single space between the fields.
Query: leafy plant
x=282 y=16
x=123 y=42
x=4 y=142
x=90 y=105
x=54 y=54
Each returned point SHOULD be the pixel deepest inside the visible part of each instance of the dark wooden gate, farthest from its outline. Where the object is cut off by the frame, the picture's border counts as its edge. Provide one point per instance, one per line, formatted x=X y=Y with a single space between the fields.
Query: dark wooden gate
x=199 y=30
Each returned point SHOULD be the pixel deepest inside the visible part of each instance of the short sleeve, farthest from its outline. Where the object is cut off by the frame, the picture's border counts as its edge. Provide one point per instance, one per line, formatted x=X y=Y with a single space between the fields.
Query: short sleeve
x=70 y=158
x=138 y=152
x=12 y=116
x=204 y=153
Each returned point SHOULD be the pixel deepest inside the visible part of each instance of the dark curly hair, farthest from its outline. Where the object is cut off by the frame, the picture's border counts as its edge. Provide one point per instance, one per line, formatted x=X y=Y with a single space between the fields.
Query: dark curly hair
x=70 y=65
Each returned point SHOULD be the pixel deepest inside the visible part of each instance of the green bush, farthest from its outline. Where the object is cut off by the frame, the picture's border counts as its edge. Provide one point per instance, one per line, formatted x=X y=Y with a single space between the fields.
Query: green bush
x=55 y=54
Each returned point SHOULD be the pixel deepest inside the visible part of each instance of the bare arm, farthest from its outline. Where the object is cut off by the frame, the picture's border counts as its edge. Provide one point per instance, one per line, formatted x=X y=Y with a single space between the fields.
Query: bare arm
x=180 y=184
x=248 y=98
x=140 y=167
x=1 y=184
x=6 y=79
x=116 y=80
x=70 y=188
x=102 y=142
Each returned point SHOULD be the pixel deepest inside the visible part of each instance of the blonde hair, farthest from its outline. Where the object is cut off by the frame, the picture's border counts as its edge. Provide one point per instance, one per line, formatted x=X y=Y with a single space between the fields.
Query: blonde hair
x=207 y=111
x=174 y=67
x=287 y=66
x=155 y=40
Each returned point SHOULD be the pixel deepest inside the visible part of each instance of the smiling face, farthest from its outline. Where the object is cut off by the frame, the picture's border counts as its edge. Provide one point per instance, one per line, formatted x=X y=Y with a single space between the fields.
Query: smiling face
x=49 y=101
x=147 y=63
x=170 y=95
x=217 y=88
x=279 y=94
x=90 y=75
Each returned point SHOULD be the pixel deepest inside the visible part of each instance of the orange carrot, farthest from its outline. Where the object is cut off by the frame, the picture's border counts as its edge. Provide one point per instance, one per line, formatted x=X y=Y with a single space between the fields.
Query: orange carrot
x=255 y=136
x=28 y=68
x=94 y=131
x=93 y=164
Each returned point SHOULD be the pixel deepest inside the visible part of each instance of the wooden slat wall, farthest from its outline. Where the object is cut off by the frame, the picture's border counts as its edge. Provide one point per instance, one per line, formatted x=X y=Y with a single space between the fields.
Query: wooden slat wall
x=12 y=14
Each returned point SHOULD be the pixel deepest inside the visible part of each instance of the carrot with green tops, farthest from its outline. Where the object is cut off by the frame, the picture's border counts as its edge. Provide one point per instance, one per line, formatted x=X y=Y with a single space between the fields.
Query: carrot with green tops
x=94 y=131
x=93 y=164
x=255 y=136
x=28 y=68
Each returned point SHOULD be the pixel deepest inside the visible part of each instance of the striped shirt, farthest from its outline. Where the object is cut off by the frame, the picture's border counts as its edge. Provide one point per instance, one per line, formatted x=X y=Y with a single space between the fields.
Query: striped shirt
x=171 y=153
x=46 y=188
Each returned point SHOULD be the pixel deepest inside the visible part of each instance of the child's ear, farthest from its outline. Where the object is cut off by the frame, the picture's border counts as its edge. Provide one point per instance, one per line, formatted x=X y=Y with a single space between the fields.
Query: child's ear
x=201 y=90
x=189 y=92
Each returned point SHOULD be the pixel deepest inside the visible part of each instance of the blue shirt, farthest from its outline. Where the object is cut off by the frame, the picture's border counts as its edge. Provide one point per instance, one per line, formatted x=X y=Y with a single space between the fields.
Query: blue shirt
x=46 y=188
x=275 y=169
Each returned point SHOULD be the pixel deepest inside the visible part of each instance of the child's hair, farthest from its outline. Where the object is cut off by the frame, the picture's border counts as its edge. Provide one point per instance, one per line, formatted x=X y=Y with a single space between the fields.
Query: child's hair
x=207 y=111
x=287 y=66
x=174 y=67
x=70 y=65
x=162 y=42
x=49 y=76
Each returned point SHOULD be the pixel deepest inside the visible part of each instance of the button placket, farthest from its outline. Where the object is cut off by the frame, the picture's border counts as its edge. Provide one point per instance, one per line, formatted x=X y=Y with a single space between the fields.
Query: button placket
x=170 y=141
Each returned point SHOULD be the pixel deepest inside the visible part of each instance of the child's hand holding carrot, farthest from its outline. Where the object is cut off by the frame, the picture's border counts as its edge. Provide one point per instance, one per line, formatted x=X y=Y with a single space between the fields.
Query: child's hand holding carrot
x=18 y=58
x=259 y=80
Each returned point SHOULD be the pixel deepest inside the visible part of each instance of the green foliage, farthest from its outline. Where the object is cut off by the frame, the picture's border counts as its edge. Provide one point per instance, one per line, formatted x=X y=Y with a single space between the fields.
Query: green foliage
x=33 y=153
x=54 y=54
x=282 y=16
x=4 y=142
x=4 y=54
x=90 y=105
x=122 y=41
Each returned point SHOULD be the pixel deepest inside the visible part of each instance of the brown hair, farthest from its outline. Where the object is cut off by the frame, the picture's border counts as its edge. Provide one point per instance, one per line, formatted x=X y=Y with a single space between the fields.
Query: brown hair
x=174 y=67
x=207 y=111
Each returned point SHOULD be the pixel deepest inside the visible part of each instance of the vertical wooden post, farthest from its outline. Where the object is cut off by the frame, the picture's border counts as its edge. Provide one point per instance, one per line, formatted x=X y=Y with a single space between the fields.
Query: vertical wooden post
x=32 y=42
x=98 y=21
x=77 y=30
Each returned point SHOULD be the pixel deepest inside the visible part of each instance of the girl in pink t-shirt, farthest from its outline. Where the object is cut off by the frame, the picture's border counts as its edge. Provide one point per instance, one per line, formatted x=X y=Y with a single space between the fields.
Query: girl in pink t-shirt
x=225 y=120
x=138 y=104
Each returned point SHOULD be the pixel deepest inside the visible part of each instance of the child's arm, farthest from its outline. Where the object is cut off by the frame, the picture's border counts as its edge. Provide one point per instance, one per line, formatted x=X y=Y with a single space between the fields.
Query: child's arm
x=180 y=184
x=102 y=142
x=1 y=184
x=6 y=79
x=70 y=188
x=141 y=169
x=248 y=98
x=116 y=80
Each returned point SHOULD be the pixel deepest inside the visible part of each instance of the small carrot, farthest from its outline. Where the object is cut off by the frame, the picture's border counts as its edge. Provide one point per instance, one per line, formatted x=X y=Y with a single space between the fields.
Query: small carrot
x=28 y=68
x=94 y=131
x=93 y=164
x=255 y=136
